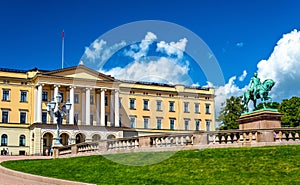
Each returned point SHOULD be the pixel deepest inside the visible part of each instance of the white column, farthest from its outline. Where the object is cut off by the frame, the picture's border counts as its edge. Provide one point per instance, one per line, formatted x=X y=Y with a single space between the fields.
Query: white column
x=83 y=106
x=88 y=106
x=117 y=123
x=39 y=104
x=35 y=103
x=98 y=108
x=102 y=108
x=112 y=108
x=54 y=96
x=71 y=113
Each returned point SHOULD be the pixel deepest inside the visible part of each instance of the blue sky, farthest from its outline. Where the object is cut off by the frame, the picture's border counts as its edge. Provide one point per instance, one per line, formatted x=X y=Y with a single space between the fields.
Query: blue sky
x=240 y=34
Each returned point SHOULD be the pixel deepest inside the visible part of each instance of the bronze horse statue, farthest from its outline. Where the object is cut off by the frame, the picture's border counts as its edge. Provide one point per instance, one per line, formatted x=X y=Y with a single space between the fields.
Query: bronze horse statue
x=262 y=93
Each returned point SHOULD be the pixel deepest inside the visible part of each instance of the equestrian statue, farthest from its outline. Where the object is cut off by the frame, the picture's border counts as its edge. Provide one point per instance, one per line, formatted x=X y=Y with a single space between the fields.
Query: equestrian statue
x=258 y=90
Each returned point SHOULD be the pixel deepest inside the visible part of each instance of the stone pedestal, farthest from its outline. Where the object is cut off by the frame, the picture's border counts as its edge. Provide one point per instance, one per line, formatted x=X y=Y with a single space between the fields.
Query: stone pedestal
x=262 y=119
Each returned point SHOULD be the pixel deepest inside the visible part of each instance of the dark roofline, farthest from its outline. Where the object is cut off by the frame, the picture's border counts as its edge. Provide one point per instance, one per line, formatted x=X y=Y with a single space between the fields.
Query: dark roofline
x=13 y=70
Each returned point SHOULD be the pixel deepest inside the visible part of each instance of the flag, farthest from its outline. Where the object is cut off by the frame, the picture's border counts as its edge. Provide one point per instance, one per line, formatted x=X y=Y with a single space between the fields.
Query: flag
x=63 y=34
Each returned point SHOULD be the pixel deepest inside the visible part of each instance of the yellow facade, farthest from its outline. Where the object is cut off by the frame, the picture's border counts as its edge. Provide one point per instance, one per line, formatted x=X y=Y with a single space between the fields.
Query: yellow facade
x=102 y=108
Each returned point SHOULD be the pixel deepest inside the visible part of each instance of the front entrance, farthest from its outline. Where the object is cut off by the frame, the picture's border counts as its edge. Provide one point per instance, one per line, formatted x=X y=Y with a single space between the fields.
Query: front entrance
x=47 y=143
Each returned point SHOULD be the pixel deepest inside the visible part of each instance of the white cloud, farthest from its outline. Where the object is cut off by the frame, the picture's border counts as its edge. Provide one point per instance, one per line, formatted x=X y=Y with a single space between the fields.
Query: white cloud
x=99 y=52
x=239 y=44
x=243 y=76
x=137 y=51
x=172 y=48
x=163 y=70
x=283 y=66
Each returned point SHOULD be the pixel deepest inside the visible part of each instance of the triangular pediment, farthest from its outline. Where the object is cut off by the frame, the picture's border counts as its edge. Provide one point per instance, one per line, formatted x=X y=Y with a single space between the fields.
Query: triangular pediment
x=80 y=72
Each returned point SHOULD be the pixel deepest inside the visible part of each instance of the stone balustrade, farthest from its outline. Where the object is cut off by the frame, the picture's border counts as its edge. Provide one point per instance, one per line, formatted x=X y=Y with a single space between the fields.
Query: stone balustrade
x=178 y=141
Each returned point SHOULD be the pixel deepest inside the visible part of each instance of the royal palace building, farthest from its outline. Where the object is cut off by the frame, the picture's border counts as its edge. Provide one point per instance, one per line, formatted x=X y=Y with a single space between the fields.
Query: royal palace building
x=102 y=107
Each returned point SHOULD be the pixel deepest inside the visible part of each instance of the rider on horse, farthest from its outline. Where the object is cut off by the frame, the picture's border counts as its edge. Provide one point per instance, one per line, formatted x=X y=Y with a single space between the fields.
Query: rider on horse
x=254 y=83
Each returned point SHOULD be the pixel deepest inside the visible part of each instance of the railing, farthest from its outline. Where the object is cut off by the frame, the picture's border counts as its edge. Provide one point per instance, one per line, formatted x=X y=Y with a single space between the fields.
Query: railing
x=213 y=139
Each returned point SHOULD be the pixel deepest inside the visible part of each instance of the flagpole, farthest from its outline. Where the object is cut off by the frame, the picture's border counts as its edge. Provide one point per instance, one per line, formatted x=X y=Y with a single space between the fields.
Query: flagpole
x=62 y=49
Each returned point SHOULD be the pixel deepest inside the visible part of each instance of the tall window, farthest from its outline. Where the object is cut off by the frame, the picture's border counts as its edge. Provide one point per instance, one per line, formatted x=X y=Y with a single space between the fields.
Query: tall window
x=186 y=106
x=45 y=96
x=158 y=123
x=91 y=119
x=92 y=99
x=171 y=106
x=23 y=96
x=146 y=122
x=197 y=108
x=44 y=117
x=5 y=95
x=207 y=125
x=197 y=124
x=146 y=104
x=106 y=101
x=4 y=140
x=76 y=98
x=207 y=108
x=22 y=117
x=132 y=103
x=22 y=140
x=76 y=117
x=158 y=105
x=132 y=122
x=5 y=116
x=172 y=123
x=186 y=124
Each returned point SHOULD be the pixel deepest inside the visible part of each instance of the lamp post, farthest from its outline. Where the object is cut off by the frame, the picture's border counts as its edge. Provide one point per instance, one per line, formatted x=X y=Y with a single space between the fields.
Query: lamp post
x=59 y=114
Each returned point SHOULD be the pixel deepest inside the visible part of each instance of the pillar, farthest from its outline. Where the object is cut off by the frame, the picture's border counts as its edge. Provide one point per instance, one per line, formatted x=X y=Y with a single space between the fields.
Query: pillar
x=117 y=104
x=87 y=106
x=98 y=108
x=39 y=104
x=71 y=113
x=102 y=107
x=112 y=108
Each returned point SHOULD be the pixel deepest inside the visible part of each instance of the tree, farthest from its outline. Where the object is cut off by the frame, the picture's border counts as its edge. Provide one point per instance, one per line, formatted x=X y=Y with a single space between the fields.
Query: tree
x=231 y=110
x=274 y=105
x=291 y=110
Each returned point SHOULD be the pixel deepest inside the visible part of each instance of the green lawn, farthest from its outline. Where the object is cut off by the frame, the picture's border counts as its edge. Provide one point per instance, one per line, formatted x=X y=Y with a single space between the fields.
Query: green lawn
x=261 y=165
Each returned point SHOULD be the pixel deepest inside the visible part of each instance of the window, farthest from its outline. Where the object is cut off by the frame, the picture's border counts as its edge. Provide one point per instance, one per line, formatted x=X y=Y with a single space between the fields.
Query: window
x=5 y=116
x=146 y=122
x=146 y=104
x=158 y=105
x=23 y=96
x=197 y=108
x=120 y=102
x=132 y=103
x=207 y=108
x=197 y=124
x=172 y=123
x=5 y=95
x=44 y=117
x=171 y=106
x=22 y=140
x=106 y=101
x=186 y=124
x=120 y=121
x=92 y=99
x=76 y=98
x=76 y=117
x=186 y=106
x=132 y=122
x=91 y=119
x=207 y=125
x=22 y=117
x=4 y=140
x=158 y=123
x=45 y=96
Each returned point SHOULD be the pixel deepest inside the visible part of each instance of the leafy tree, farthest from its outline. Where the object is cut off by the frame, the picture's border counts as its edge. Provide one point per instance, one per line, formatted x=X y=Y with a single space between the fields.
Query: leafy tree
x=291 y=110
x=274 y=105
x=231 y=110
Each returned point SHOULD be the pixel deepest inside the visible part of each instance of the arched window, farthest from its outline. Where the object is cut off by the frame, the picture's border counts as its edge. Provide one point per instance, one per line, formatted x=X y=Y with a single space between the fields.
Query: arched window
x=22 y=140
x=4 y=140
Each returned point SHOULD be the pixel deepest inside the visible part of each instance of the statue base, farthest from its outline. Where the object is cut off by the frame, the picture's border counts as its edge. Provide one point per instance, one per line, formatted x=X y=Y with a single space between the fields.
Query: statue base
x=261 y=119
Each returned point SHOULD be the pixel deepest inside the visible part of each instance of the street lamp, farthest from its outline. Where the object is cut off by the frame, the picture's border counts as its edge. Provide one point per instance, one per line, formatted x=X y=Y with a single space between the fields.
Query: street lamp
x=59 y=113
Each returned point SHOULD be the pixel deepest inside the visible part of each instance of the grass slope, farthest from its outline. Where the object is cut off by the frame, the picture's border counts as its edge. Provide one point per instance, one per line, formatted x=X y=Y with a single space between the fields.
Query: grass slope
x=261 y=165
